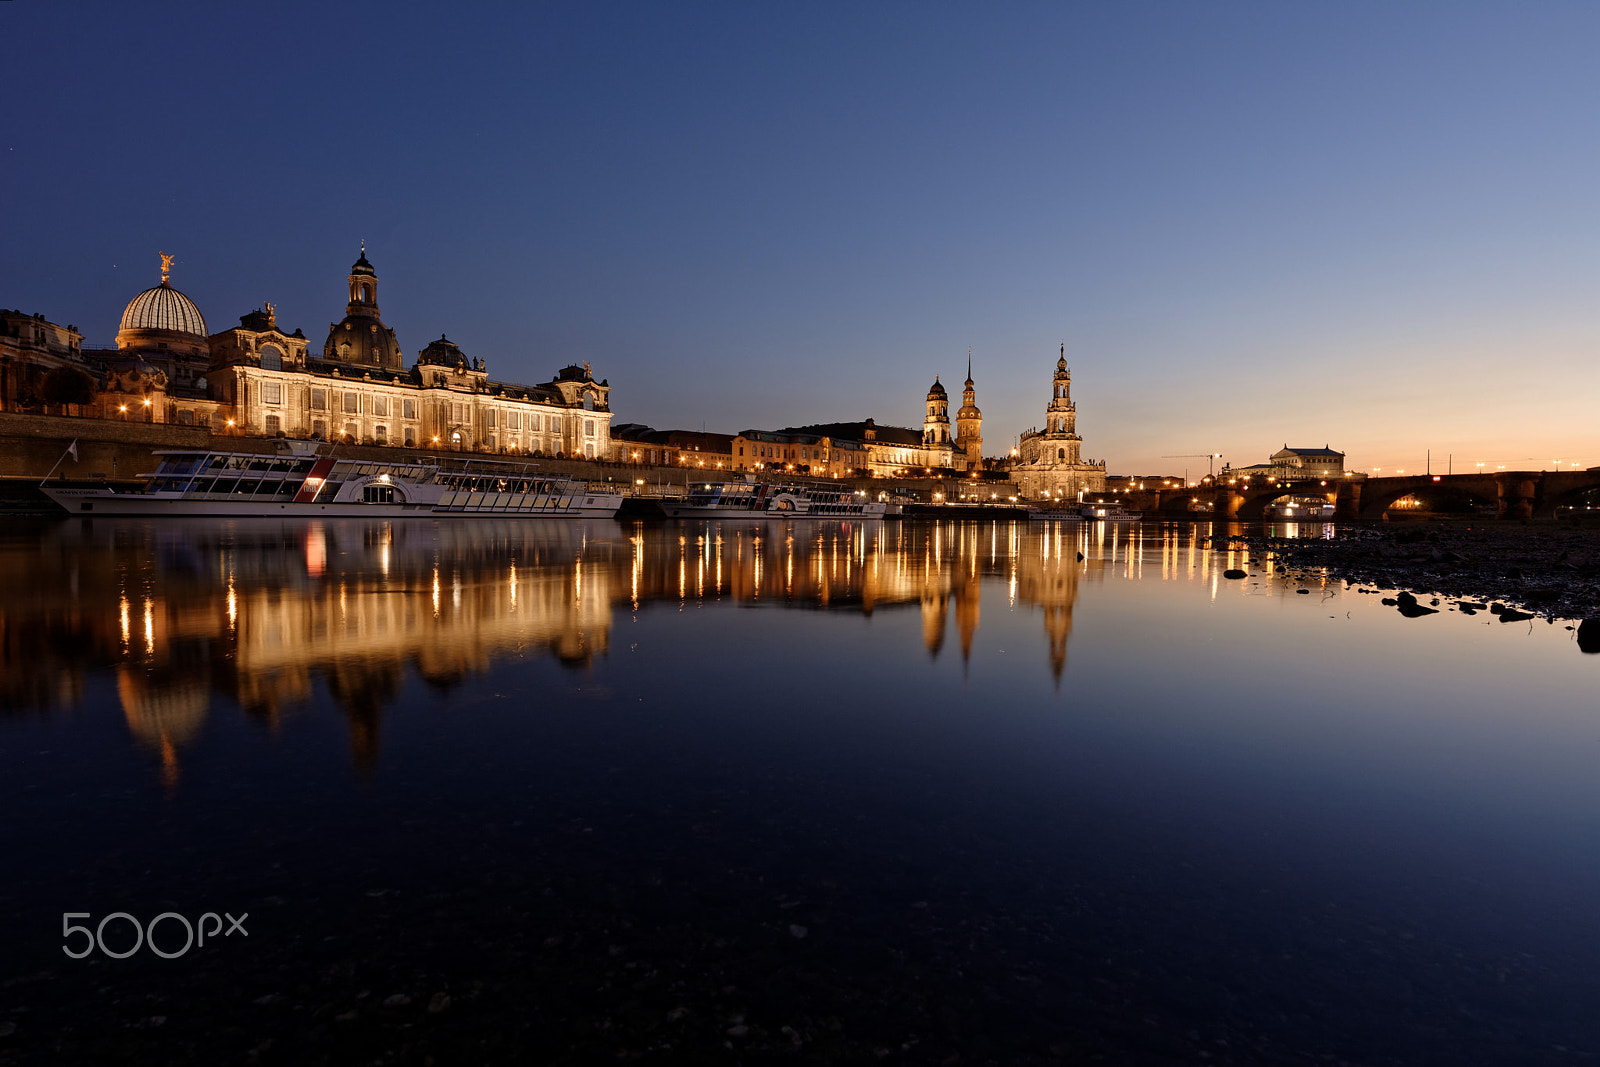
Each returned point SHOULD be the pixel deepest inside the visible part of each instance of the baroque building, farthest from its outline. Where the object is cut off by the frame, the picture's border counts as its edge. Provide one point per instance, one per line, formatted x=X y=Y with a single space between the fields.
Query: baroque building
x=1048 y=464
x=257 y=379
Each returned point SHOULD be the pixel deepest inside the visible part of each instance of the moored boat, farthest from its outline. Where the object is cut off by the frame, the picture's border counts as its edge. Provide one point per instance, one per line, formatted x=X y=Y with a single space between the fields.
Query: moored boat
x=1298 y=510
x=1104 y=512
x=248 y=484
x=712 y=500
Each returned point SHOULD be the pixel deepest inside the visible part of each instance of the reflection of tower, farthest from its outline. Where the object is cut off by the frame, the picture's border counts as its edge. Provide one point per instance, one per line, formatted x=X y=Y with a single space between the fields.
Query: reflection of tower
x=164 y=711
x=1058 y=627
x=966 y=596
x=969 y=425
x=361 y=689
x=936 y=423
x=935 y=606
x=1047 y=575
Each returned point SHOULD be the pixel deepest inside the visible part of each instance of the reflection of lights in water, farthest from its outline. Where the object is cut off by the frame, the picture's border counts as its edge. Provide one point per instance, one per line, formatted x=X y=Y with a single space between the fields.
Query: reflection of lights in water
x=513 y=583
x=127 y=630
x=436 y=591
x=455 y=590
x=233 y=604
x=577 y=580
x=149 y=626
x=316 y=550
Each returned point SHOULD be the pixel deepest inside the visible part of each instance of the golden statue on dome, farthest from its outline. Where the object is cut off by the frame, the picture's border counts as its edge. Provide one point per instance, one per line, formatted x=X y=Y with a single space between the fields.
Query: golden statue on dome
x=166 y=266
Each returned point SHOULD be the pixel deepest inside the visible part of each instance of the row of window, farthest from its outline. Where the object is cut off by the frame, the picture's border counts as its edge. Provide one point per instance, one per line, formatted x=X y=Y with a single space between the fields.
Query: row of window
x=381 y=407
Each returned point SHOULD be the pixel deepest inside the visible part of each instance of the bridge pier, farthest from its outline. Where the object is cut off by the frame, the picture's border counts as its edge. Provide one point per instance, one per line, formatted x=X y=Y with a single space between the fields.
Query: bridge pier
x=1516 y=494
x=1347 y=501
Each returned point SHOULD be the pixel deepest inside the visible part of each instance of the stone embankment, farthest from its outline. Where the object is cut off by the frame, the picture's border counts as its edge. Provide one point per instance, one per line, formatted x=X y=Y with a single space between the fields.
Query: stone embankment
x=1515 y=572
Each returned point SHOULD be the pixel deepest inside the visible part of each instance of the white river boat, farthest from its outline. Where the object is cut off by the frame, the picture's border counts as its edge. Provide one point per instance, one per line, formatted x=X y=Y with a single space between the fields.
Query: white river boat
x=253 y=485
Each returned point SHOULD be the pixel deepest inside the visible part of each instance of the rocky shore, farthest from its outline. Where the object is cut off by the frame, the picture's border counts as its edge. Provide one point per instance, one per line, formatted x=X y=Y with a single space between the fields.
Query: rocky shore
x=1515 y=572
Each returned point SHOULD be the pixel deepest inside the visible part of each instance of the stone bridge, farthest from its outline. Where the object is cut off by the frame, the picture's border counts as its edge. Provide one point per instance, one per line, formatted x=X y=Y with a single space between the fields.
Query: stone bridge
x=1514 y=494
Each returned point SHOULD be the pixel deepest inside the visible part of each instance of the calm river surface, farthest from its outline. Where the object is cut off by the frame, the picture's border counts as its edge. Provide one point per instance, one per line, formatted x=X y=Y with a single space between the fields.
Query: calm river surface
x=749 y=792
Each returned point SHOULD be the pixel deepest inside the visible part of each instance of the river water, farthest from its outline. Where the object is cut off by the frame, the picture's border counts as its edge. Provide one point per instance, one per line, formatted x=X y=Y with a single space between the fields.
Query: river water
x=748 y=792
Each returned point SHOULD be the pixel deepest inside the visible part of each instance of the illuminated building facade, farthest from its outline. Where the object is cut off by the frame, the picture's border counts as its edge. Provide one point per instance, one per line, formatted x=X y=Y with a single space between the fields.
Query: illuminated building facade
x=257 y=379
x=359 y=389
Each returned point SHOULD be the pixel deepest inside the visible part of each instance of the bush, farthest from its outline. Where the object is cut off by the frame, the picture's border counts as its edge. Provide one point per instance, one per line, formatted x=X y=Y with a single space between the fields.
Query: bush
x=67 y=385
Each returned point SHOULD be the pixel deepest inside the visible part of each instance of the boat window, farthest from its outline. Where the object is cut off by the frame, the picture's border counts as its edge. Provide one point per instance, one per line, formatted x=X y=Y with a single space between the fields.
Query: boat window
x=260 y=465
x=224 y=485
x=246 y=486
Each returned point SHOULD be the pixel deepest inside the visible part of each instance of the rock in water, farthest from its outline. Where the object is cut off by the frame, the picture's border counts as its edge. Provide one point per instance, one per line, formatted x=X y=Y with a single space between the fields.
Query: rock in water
x=1410 y=608
x=1234 y=573
x=1508 y=615
x=1589 y=635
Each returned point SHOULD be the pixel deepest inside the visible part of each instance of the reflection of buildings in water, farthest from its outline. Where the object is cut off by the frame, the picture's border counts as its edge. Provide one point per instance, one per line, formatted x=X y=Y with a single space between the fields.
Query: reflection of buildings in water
x=183 y=611
x=936 y=568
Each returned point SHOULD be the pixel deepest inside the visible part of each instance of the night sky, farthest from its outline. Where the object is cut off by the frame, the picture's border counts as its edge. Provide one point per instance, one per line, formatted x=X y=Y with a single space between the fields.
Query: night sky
x=1368 y=225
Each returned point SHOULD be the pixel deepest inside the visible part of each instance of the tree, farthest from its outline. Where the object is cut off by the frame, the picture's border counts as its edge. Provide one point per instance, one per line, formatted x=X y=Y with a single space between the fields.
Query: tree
x=67 y=385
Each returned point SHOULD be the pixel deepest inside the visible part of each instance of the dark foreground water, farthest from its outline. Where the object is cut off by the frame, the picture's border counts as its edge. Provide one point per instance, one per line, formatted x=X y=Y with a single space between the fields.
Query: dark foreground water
x=764 y=792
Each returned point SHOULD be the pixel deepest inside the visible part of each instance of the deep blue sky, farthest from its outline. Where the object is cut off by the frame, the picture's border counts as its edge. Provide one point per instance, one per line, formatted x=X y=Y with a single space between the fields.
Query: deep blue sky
x=1366 y=225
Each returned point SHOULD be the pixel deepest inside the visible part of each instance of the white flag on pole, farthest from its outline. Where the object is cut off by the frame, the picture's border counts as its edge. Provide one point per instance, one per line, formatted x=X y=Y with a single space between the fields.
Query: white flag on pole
x=72 y=450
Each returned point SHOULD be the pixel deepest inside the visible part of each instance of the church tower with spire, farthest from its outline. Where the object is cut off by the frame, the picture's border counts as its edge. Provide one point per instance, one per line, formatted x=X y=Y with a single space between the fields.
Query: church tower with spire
x=1061 y=417
x=969 y=426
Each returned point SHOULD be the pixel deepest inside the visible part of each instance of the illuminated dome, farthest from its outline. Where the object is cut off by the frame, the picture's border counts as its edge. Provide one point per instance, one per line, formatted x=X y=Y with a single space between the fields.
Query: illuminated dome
x=937 y=390
x=163 y=308
x=162 y=317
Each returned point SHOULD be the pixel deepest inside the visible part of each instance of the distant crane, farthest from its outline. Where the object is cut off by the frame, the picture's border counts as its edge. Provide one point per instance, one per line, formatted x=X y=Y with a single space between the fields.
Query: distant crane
x=1207 y=456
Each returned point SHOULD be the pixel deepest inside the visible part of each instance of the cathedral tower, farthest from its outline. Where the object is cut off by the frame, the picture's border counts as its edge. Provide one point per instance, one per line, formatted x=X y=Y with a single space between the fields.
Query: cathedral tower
x=969 y=425
x=936 y=424
x=1061 y=417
